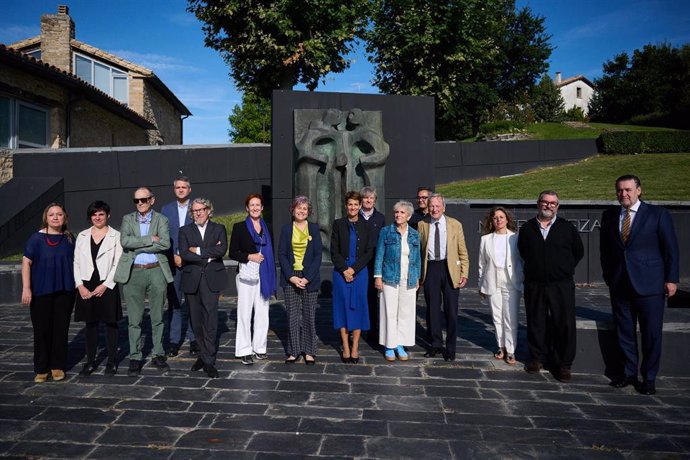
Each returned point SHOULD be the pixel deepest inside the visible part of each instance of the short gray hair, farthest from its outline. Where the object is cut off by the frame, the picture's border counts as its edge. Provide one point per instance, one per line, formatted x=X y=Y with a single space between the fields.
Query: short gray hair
x=368 y=191
x=405 y=206
x=438 y=196
x=204 y=201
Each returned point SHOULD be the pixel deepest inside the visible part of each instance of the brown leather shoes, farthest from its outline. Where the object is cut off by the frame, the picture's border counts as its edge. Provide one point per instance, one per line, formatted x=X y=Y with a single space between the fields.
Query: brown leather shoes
x=534 y=367
x=564 y=374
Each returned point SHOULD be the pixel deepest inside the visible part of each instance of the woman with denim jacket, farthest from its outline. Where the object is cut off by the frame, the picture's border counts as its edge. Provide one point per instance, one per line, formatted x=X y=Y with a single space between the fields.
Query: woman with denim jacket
x=396 y=274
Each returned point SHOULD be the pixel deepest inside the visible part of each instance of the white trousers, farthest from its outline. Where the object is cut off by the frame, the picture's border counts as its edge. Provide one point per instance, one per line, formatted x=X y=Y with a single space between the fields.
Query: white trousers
x=397 y=315
x=504 y=310
x=248 y=299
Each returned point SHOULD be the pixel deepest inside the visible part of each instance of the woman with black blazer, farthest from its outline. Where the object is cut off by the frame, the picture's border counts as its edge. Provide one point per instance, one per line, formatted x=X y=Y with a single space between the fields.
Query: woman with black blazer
x=351 y=251
x=299 y=252
x=251 y=246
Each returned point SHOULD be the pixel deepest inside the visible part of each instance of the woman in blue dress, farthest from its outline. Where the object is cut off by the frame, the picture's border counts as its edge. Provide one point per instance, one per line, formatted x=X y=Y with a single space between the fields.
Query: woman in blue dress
x=351 y=250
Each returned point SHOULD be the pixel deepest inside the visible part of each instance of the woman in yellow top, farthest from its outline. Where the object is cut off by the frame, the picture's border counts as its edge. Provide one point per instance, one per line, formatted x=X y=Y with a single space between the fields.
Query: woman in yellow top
x=299 y=253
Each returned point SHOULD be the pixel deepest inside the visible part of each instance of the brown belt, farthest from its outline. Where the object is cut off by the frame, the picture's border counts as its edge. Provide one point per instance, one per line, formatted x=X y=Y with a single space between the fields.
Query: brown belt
x=146 y=266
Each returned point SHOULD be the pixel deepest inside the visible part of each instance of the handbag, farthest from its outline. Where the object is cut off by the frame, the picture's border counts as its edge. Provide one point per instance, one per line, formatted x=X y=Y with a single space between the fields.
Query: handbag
x=249 y=271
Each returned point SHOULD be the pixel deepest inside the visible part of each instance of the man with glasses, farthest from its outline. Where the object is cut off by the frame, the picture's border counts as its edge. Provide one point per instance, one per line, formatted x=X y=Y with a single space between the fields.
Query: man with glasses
x=202 y=245
x=422 y=212
x=143 y=269
x=178 y=215
x=551 y=249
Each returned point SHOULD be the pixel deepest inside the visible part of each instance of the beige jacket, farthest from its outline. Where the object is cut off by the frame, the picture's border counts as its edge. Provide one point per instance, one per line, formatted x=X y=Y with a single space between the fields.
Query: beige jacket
x=456 y=252
x=106 y=261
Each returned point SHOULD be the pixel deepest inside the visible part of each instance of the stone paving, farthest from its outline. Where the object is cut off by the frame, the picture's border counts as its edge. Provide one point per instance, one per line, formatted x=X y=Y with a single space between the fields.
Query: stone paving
x=424 y=408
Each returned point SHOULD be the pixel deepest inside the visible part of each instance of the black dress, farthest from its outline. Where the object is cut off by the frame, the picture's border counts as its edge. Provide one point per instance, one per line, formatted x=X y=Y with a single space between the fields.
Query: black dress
x=106 y=308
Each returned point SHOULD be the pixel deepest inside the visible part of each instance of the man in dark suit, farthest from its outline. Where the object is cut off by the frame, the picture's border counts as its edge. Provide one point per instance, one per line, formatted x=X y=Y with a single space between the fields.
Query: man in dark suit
x=375 y=221
x=178 y=215
x=202 y=246
x=639 y=260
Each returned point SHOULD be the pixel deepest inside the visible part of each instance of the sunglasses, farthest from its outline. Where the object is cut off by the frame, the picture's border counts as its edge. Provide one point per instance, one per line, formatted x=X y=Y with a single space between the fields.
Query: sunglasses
x=141 y=200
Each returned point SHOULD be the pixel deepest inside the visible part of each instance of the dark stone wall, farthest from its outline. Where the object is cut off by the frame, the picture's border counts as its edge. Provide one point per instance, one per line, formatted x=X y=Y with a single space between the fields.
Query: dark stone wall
x=455 y=161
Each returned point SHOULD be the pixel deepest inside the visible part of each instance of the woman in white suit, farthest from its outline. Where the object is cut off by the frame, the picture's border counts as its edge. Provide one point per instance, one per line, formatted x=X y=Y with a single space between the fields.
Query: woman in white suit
x=500 y=278
x=96 y=255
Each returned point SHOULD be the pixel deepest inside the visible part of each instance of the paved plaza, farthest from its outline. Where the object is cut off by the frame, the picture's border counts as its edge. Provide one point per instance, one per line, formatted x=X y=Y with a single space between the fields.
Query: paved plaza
x=476 y=407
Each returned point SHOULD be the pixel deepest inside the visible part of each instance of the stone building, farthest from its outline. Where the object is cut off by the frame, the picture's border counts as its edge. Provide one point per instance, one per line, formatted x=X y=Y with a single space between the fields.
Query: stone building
x=136 y=88
x=576 y=91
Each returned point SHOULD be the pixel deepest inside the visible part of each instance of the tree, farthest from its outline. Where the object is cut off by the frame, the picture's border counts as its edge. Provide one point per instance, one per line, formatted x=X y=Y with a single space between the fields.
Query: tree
x=547 y=101
x=467 y=54
x=650 y=87
x=278 y=43
x=251 y=121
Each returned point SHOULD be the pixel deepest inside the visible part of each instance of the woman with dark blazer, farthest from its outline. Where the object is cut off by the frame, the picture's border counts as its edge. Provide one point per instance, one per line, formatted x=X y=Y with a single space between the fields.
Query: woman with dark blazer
x=299 y=252
x=351 y=251
x=250 y=243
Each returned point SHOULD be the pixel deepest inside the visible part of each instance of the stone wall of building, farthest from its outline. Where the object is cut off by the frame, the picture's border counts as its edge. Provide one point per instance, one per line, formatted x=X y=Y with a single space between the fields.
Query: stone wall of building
x=5 y=166
x=160 y=112
x=92 y=126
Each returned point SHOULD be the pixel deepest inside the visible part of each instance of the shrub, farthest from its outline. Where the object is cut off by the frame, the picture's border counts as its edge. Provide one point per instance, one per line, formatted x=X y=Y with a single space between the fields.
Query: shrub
x=502 y=126
x=633 y=142
x=575 y=114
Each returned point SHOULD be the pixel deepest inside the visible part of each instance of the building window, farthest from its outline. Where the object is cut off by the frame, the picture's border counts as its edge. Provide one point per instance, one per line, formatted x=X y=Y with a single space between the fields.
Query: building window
x=23 y=125
x=36 y=53
x=579 y=92
x=104 y=77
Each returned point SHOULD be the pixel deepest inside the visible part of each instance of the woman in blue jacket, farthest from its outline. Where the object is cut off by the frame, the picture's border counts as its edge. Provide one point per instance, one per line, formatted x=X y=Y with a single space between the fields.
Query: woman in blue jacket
x=299 y=252
x=396 y=274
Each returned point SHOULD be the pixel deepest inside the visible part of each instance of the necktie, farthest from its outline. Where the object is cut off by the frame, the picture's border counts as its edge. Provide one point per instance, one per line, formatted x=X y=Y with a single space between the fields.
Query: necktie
x=625 y=229
x=437 y=244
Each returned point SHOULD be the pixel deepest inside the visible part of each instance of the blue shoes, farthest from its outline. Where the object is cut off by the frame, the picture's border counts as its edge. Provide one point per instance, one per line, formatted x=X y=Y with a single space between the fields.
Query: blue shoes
x=390 y=354
x=402 y=354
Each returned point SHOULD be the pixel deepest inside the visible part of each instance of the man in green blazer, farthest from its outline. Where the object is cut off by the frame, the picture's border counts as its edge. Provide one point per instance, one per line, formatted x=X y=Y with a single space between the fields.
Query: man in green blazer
x=143 y=268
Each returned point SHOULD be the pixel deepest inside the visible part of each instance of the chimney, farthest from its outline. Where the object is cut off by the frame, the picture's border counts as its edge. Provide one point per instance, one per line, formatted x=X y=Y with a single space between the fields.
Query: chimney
x=57 y=31
x=558 y=78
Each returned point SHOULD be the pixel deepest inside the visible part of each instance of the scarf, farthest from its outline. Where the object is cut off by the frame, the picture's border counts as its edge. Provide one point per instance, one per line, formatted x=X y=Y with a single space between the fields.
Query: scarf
x=267 y=268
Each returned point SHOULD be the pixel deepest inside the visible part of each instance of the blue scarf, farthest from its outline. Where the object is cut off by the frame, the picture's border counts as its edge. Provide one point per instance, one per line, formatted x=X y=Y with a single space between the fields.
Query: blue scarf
x=267 y=268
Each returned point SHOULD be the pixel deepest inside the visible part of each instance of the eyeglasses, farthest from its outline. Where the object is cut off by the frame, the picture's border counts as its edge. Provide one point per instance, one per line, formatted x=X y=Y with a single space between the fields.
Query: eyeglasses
x=199 y=211
x=141 y=200
x=551 y=204
x=422 y=197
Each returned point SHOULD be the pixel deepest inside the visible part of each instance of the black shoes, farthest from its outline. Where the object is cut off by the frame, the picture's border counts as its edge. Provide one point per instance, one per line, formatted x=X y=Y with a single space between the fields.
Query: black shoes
x=564 y=374
x=247 y=360
x=211 y=371
x=433 y=351
x=260 y=356
x=449 y=357
x=160 y=363
x=623 y=382
x=198 y=365
x=174 y=350
x=88 y=369
x=134 y=368
x=110 y=369
x=534 y=367
x=194 y=348
x=646 y=388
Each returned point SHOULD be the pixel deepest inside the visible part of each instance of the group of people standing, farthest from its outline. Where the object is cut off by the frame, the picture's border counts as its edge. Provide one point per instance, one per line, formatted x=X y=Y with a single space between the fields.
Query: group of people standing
x=377 y=271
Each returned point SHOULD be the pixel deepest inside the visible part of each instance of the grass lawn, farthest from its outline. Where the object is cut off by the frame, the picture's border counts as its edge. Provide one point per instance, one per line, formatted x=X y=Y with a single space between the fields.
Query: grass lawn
x=663 y=176
x=552 y=131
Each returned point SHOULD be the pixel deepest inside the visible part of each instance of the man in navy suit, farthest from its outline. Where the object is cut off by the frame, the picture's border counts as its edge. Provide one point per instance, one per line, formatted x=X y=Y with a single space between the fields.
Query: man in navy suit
x=202 y=246
x=639 y=260
x=178 y=215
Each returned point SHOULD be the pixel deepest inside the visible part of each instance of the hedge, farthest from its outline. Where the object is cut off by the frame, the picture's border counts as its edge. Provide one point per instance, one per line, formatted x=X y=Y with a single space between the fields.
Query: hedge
x=633 y=142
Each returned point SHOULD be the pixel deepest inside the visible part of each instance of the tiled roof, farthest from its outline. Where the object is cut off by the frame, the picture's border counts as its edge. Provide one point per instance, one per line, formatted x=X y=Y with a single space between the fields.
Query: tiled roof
x=574 y=79
x=12 y=57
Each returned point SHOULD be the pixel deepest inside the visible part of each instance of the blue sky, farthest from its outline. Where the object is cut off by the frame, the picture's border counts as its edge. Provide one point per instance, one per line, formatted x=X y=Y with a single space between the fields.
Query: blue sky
x=162 y=36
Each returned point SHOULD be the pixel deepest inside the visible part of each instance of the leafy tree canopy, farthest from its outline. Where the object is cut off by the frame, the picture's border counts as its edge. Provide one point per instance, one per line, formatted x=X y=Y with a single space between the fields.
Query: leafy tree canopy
x=251 y=121
x=649 y=87
x=547 y=100
x=275 y=44
x=467 y=54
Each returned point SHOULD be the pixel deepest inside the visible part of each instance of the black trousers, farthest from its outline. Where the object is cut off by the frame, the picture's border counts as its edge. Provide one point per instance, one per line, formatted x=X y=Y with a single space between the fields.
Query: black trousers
x=203 y=308
x=551 y=331
x=50 y=317
x=438 y=288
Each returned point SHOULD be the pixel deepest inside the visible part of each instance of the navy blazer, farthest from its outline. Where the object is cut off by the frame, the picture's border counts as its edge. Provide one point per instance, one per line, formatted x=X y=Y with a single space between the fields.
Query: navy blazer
x=340 y=244
x=312 y=257
x=213 y=246
x=169 y=210
x=650 y=256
